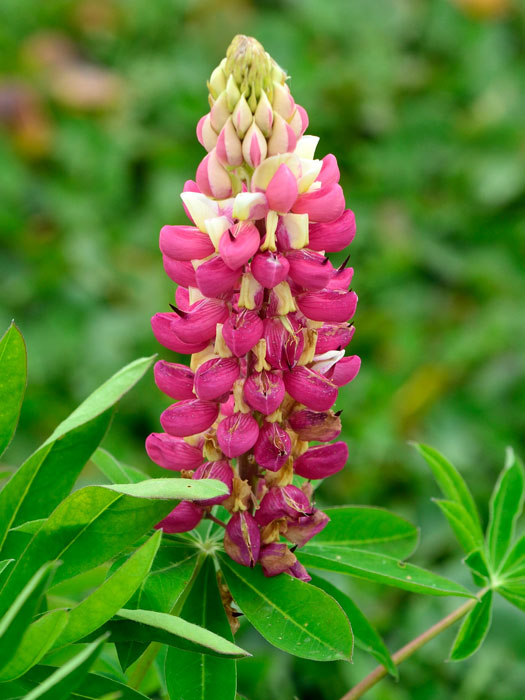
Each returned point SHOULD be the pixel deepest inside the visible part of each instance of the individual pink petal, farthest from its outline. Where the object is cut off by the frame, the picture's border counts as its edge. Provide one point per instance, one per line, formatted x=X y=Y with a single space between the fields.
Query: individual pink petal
x=200 y=323
x=221 y=471
x=345 y=370
x=189 y=417
x=321 y=426
x=180 y=272
x=212 y=178
x=333 y=236
x=273 y=447
x=309 y=269
x=182 y=298
x=283 y=138
x=254 y=146
x=303 y=529
x=313 y=390
x=270 y=269
x=183 y=518
x=242 y=331
x=239 y=244
x=333 y=337
x=282 y=191
x=174 y=380
x=163 y=329
x=341 y=279
x=206 y=135
x=237 y=434
x=325 y=204
x=229 y=146
x=264 y=391
x=304 y=117
x=321 y=461
x=298 y=571
x=282 y=502
x=283 y=349
x=276 y=558
x=216 y=377
x=185 y=243
x=331 y=305
x=329 y=174
x=172 y=452
x=242 y=539
x=215 y=279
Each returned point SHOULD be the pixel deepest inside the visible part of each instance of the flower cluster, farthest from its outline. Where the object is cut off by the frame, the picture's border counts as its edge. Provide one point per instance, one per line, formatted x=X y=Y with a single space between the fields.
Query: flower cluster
x=264 y=315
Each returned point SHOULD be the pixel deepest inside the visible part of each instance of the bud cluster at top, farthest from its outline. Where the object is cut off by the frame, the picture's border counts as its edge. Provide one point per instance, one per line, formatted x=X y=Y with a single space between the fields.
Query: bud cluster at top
x=262 y=312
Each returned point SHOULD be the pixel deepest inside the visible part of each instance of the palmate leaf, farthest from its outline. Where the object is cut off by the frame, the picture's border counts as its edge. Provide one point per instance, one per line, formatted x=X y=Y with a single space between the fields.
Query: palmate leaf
x=365 y=635
x=370 y=529
x=114 y=471
x=13 y=379
x=380 y=568
x=196 y=676
x=290 y=614
x=473 y=630
x=48 y=475
x=506 y=504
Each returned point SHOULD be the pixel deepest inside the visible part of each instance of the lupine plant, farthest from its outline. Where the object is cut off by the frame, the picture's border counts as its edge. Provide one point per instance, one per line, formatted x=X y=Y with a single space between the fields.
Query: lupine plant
x=136 y=587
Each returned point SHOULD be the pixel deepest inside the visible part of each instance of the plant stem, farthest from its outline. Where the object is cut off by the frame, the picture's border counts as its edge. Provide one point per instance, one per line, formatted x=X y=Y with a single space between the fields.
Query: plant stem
x=380 y=671
x=211 y=517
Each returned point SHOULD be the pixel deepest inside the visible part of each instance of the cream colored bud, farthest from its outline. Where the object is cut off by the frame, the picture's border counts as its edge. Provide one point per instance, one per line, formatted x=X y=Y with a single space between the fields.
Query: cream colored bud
x=264 y=115
x=233 y=93
x=254 y=146
x=220 y=112
x=242 y=117
x=217 y=81
x=283 y=103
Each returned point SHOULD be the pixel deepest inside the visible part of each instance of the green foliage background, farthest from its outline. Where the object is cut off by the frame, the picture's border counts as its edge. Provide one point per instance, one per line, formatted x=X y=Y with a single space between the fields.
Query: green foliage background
x=422 y=102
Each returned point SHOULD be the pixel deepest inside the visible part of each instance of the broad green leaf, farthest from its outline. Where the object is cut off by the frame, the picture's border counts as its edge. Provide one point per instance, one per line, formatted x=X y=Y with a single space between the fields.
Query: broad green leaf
x=30 y=527
x=506 y=504
x=460 y=522
x=473 y=629
x=290 y=614
x=18 y=617
x=150 y=626
x=371 y=529
x=105 y=396
x=113 y=470
x=380 y=568
x=365 y=635
x=452 y=485
x=36 y=642
x=477 y=562
x=201 y=676
x=13 y=379
x=4 y=564
x=65 y=680
x=107 y=599
x=514 y=592
x=92 y=525
x=172 y=489
x=514 y=564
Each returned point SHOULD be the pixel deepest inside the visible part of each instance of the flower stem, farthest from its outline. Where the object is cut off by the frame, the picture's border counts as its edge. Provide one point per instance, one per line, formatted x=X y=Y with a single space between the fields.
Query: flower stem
x=211 y=517
x=405 y=652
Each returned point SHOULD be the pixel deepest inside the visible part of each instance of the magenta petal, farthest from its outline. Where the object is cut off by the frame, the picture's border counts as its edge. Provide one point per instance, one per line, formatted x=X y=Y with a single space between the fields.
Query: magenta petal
x=345 y=370
x=216 y=377
x=242 y=331
x=238 y=244
x=321 y=461
x=163 y=329
x=333 y=337
x=303 y=529
x=309 y=270
x=282 y=192
x=283 y=349
x=264 y=391
x=276 y=558
x=341 y=279
x=313 y=390
x=282 y=502
x=270 y=269
x=200 y=323
x=298 y=571
x=329 y=174
x=323 y=205
x=184 y=517
x=182 y=298
x=174 y=380
x=185 y=243
x=172 y=452
x=237 y=434
x=273 y=447
x=215 y=279
x=189 y=417
x=333 y=236
x=242 y=539
x=332 y=305
x=180 y=272
x=313 y=425
x=221 y=471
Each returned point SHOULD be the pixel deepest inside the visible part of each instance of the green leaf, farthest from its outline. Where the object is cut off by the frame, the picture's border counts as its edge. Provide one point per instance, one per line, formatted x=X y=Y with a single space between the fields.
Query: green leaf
x=290 y=614
x=477 y=563
x=36 y=642
x=473 y=629
x=371 y=529
x=172 y=489
x=18 y=617
x=365 y=635
x=382 y=569
x=196 y=676
x=453 y=486
x=114 y=471
x=514 y=564
x=514 y=592
x=91 y=526
x=460 y=522
x=105 y=396
x=13 y=379
x=4 y=564
x=150 y=626
x=506 y=504
x=107 y=599
x=65 y=680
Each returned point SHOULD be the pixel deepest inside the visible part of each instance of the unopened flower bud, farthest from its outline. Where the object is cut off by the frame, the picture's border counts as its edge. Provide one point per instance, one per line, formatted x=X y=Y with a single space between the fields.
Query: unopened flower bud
x=174 y=380
x=172 y=452
x=283 y=103
x=184 y=243
x=189 y=417
x=254 y=146
x=237 y=434
x=321 y=461
x=229 y=146
x=215 y=378
x=205 y=133
x=242 y=117
x=264 y=115
x=283 y=138
x=212 y=178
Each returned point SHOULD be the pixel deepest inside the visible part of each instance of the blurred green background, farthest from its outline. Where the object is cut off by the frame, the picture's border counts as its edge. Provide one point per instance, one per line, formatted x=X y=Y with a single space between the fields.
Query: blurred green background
x=423 y=104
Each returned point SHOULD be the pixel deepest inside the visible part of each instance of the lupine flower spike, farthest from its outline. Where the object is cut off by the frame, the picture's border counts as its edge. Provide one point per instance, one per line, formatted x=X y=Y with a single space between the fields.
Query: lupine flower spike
x=262 y=312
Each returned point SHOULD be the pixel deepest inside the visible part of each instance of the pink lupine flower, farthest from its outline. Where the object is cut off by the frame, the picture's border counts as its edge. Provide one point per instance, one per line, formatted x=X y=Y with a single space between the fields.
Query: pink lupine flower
x=264 y=314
